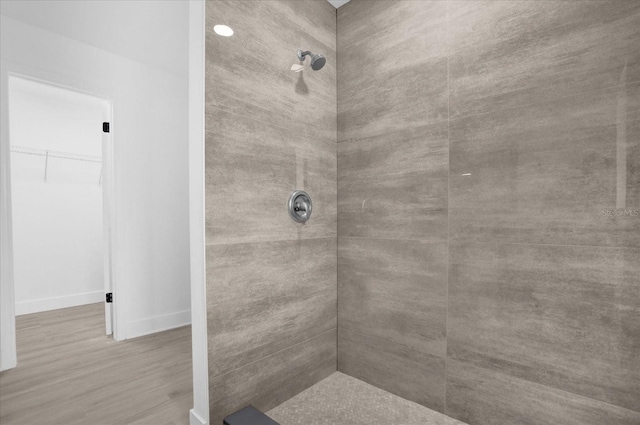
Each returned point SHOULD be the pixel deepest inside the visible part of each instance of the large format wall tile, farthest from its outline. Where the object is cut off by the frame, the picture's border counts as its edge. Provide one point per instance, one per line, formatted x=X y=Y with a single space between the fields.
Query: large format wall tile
x=563 y=316
x=411 y=374
x=249 y=74
x=409 y=31
x=314 y=17
x=251 y=169
x=264 y=297
x=394 y=290
x=394 y=185
x=392 y=195
x=506 y=54
x=546 y=173
x=538 y=106
x=271 y=282
x=272 y=380
x=392 y=72
x=484 y=397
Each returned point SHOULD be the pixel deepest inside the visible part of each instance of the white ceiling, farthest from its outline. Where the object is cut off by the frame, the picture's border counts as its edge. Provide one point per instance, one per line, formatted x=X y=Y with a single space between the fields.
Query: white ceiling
x=133 y=29
x=155 y=33
x=338 y=3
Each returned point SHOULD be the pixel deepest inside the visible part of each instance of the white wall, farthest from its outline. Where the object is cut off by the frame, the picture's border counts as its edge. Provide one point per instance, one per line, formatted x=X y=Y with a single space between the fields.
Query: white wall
x=7 y=303
x=199 y=415
x=57 y=224
x=146 y=31
x=150 y=137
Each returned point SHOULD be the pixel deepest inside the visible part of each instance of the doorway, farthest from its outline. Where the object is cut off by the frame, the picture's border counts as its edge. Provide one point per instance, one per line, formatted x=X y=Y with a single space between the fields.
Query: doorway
x=61 y=203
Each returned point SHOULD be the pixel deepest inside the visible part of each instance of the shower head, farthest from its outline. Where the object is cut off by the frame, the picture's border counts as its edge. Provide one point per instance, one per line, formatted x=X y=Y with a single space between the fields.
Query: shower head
x=317 y=61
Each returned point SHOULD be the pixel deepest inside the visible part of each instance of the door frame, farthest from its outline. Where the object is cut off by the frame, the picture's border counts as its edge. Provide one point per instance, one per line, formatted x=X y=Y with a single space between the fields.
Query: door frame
x=108 y=218
x=8 y=353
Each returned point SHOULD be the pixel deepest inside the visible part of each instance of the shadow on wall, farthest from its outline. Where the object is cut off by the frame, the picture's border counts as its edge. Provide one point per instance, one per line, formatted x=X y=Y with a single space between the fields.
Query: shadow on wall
x=301 y=86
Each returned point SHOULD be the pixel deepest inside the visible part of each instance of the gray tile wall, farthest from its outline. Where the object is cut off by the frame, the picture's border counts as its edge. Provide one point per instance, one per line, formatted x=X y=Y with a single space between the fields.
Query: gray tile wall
x=510 y=295
x=393 y=167
x=271 y=283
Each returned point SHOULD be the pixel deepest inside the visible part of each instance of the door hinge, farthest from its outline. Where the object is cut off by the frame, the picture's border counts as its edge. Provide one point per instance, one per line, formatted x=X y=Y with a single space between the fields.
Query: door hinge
x=109 y=297
x=105 y=127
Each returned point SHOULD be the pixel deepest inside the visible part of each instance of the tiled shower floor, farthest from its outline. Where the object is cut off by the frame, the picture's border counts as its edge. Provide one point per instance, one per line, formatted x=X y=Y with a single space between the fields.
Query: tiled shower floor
x=341 y=399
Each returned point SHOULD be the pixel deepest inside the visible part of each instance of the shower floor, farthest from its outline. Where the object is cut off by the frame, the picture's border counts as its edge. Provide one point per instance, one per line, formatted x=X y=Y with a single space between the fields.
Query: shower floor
x=341 y=399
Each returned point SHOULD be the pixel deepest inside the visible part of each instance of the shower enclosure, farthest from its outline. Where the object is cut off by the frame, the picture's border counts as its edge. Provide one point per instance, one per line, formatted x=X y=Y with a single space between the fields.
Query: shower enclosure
x=474 y=245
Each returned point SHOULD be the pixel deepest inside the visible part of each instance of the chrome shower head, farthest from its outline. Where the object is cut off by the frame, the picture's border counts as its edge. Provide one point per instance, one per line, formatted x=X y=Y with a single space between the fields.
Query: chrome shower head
x=317 y=61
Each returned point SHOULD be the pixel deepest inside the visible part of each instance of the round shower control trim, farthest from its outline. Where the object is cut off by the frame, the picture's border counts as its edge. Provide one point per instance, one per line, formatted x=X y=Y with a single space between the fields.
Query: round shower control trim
x=300 y=206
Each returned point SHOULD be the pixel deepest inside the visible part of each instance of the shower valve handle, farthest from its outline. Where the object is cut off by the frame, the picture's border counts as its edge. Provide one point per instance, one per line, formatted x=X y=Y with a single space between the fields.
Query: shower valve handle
x=300 y=206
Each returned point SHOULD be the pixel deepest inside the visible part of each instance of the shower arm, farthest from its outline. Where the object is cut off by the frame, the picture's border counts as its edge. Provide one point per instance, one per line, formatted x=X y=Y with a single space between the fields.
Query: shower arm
x=303 y=54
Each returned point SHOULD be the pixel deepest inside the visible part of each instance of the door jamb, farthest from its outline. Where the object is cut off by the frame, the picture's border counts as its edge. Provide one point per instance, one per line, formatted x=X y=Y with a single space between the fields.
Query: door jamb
x=8 y=356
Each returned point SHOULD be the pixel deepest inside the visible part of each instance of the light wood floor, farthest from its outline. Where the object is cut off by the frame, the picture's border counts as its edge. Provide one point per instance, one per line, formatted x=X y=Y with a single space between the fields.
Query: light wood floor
x=69 y=372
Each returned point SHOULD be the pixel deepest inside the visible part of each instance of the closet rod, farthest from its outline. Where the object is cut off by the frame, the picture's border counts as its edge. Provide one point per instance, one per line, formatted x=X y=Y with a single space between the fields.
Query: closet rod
x=47 y=153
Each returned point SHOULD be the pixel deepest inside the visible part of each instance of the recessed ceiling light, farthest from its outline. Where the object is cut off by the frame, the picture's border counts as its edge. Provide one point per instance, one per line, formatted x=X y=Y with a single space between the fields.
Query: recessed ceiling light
x=466 y=174
x=223 y=30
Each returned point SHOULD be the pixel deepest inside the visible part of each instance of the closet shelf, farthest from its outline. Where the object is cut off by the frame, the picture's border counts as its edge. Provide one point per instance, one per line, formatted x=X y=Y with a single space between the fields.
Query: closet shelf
x=47 y=153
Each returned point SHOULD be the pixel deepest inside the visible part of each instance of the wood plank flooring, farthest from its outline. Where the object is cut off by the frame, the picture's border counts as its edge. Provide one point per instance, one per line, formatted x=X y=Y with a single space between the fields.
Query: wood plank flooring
x=69 y=373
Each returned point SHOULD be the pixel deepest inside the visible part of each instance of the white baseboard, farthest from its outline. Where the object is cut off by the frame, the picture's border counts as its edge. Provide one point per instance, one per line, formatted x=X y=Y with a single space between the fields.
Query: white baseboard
x=157 y=324
x=195 y=419
x=7 y=360
x=46 y=304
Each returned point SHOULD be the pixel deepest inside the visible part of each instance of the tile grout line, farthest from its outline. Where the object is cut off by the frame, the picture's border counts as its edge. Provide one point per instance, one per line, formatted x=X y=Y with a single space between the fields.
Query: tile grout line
x=235 y=369
x=337 y=215
x=390 y=342
x=271 y=124
x=386 y=133
x=446 y=314
x=465 y=241
x=424 y=241
x=545 y=244
x=510 y=376
x=556 y=99
x=208 y=244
